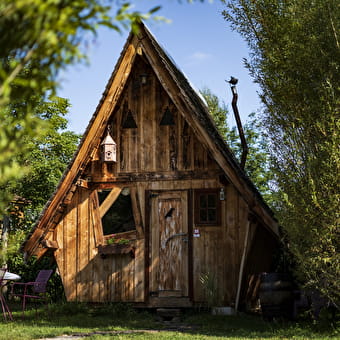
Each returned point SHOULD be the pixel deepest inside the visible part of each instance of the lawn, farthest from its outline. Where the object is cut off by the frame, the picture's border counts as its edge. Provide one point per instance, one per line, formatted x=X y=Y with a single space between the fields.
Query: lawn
x=122 y=322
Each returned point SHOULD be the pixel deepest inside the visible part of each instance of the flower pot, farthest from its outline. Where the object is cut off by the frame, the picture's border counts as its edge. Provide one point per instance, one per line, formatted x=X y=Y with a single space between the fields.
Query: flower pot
x=112 y=249
x=222 y=311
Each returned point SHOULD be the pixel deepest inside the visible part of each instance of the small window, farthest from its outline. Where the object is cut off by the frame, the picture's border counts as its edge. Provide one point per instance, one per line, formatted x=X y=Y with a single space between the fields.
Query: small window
x=207 y=207
x=119 y=218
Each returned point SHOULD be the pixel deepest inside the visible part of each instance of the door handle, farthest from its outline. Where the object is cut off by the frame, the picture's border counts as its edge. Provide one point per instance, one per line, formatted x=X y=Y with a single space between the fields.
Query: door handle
x=176 y=235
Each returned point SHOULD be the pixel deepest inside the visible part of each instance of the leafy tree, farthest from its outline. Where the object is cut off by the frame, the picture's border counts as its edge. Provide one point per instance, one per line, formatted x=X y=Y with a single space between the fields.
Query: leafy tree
x=218 y=110
x=47 y=155
x=295 y=56
x=257 y=164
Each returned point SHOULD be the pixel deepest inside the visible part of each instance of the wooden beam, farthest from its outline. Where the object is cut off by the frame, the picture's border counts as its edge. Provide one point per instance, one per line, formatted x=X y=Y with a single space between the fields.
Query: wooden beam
x=240 y=275
x=109 y=200
x=83 y=183
x=127 y=178
x=40 y=252
x=96 y=220
x=147 y=245
x=137 y=212
x=50 y=244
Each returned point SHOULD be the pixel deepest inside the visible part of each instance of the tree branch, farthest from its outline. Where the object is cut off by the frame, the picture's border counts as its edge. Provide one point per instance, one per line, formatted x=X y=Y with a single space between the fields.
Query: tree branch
x=16 y=70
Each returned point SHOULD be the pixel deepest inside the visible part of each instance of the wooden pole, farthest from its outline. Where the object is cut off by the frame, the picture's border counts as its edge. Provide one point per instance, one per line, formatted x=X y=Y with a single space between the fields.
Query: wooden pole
x=242 y=265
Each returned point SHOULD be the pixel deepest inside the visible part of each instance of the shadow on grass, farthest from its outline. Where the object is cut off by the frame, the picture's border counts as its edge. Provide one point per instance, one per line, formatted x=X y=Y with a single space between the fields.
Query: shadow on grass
x=76 y=318
x=251 y=327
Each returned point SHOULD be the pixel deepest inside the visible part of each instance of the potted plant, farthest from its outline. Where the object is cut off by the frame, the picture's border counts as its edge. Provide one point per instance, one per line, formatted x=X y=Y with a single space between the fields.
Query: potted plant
x=208 y=282
x=116 y=245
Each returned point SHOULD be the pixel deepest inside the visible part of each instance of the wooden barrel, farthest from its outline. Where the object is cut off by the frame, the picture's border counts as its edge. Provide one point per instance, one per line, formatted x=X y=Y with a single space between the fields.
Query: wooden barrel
x=276 y=295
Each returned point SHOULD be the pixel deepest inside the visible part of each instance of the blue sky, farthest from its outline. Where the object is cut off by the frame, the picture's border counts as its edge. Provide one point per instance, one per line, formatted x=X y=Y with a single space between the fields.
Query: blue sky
x=197 y=38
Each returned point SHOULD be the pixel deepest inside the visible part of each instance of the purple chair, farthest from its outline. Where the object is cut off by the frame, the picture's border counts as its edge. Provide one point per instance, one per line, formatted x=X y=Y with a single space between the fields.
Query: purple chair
x=35 y=290
x=5 y=309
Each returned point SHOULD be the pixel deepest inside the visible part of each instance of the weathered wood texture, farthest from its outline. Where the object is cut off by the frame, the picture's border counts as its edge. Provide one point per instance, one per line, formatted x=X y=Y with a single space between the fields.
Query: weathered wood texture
x=151 y=146
x=169 y=243
x=217 y=252
x=86 y=276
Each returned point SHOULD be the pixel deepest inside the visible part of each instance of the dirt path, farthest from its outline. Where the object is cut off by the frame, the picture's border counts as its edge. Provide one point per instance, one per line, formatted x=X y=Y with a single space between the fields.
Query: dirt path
x=168 y=327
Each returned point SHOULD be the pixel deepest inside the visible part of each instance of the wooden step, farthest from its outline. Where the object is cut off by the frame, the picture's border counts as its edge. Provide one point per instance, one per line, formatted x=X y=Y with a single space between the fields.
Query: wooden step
x=169 y=312
x=169 y=302
x=169 y=293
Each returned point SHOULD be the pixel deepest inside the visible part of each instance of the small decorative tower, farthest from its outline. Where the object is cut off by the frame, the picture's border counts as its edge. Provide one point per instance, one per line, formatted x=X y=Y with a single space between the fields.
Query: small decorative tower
x=108 y=149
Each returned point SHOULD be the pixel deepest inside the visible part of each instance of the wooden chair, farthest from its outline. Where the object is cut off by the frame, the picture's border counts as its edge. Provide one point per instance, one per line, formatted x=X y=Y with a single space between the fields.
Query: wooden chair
x=35 y=290
x=5 y=309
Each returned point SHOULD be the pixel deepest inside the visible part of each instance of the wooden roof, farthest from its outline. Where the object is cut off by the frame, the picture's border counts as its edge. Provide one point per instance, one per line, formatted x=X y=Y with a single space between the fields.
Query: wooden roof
x=186 y=100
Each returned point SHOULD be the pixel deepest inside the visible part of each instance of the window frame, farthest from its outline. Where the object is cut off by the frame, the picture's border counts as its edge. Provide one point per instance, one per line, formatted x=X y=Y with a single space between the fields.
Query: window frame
x=198 y=193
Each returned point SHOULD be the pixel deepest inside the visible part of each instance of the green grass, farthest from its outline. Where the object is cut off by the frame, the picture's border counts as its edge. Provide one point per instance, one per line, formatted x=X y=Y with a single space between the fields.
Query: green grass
x=118 y=321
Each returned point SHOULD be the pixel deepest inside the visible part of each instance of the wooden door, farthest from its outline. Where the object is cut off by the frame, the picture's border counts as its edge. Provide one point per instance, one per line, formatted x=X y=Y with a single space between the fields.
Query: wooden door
x=169 y=243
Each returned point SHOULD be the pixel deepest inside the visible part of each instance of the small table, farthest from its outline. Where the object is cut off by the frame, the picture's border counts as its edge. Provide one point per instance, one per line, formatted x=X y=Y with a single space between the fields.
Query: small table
x=11 y=276
x=5 y=309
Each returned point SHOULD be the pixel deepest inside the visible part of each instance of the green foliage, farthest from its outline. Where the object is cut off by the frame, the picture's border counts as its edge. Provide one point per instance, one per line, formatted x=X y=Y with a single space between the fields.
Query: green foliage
x=48 y=35
x=218 y=111
x=47 y=155
x=209 y=284
x=295 y=55
x=117 y=240
x=257 y=164
x=258 y=161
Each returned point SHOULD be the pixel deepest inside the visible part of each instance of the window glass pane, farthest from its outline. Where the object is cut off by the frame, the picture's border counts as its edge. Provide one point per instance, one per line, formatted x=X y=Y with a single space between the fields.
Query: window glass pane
x=203 y=215
x=212 y=215
x=211 y=200
x=119 y=218
x=203 y=201
x=207 y=207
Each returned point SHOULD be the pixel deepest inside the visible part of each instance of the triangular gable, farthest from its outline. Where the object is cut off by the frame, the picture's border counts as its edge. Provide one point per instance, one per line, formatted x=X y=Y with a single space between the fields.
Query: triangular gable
x=184 y=98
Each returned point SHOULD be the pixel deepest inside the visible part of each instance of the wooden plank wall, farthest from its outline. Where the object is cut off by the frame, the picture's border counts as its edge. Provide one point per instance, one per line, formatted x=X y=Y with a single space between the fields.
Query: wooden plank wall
x=218 y=250
x=86 y=276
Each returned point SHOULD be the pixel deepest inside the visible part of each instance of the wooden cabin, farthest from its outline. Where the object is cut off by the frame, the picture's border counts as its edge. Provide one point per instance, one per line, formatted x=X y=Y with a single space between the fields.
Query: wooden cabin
x=154 y=200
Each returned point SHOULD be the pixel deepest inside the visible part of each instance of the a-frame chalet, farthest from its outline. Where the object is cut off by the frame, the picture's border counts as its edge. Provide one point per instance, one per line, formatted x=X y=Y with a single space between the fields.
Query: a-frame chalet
x=153 y=200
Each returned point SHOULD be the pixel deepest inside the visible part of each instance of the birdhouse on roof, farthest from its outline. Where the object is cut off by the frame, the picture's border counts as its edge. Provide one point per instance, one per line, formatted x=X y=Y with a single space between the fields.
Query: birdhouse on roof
x=108 y=149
